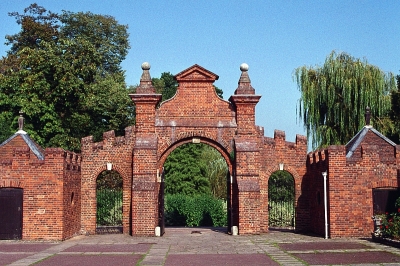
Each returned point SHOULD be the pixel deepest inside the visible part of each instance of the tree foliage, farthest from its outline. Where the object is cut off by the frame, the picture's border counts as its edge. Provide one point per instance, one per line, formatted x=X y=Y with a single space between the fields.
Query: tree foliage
x=334 y=98
x=165 y=85
x=196 y=169
x=281 y=187
x=216 y=171
x=185 y=171
x=219 y=92
x=393 y=125
x=109 y=180
x=63 y=71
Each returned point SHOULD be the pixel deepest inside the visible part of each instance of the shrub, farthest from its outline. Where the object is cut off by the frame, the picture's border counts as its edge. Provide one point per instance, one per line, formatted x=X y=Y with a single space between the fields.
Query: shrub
x=197 y=210
x=391 y=223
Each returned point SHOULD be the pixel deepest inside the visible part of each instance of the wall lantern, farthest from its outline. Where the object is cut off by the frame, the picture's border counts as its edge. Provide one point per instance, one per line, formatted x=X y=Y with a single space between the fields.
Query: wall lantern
x=109 y=166
x=281 y=166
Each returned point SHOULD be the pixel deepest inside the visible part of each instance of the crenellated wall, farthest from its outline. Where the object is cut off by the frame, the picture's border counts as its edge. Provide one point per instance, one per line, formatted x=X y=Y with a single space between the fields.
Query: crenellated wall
x=52 y=179
x=96 y=155
x=197 y=115
x=352 y=174
x=276 y=152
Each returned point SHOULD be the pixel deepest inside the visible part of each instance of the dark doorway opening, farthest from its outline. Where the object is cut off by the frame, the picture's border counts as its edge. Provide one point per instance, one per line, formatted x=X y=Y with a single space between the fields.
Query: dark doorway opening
x=384 y=200
x=11 y=213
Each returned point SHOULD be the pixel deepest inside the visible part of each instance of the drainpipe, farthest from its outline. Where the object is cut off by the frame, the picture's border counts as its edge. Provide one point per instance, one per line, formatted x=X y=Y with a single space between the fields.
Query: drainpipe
x=324 y=174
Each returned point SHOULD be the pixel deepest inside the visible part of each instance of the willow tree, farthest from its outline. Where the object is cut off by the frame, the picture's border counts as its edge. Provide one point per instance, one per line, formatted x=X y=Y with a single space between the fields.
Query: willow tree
x=334 y=98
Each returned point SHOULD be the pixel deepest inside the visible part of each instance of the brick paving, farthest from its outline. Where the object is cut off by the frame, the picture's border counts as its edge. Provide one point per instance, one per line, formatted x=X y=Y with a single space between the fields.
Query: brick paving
x=199 y=246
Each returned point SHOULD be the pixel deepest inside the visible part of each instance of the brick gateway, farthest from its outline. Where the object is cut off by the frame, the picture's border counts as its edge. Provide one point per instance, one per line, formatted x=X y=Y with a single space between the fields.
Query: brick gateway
x=59 y=187
x=195 y=114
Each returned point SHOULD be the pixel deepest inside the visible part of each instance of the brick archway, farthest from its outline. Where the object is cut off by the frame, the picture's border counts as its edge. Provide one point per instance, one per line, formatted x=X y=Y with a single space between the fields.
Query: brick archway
x=194 y=114
x=197 y=140
x=194 y=111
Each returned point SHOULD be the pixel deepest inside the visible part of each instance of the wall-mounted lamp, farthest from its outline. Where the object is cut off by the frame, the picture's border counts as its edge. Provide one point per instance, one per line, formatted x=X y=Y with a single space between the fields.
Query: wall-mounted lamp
x=281 y=165
x=109 y=166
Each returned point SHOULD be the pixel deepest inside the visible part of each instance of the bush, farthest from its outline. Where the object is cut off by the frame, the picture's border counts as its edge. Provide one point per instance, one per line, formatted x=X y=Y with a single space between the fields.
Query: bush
x=198 y=210
x=391 y=223
x=173 y=210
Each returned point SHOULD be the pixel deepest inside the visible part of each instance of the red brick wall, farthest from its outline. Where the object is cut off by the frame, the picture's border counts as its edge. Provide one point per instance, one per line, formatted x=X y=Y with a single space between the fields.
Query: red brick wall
x=46 y=215
x=72 y=195
x=196 y=114
x=350 y=182
x=292 y=155
x=310 y=216
x=95 y=156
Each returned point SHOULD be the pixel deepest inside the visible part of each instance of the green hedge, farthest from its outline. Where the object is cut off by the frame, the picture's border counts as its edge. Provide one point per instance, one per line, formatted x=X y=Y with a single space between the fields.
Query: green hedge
x=198 y=210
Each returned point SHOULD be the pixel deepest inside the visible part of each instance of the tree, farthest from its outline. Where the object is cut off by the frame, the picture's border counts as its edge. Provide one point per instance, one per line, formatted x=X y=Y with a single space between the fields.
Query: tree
x=165 y=85
x=219 y=92
x=37 y=24
x=334 y=98
x=63 y=71
x=185 y=171
x=393 y=125
x=281 y=187
x=216 y=171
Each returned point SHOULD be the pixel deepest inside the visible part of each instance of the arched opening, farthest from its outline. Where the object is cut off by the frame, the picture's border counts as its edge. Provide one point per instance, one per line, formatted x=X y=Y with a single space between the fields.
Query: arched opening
x=281 y=199
x=195 y=188
x=109 y=195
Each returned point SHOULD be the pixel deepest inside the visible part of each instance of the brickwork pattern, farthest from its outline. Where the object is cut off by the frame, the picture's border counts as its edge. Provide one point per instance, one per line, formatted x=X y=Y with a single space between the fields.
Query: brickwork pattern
x=197 y=115
x=96 y=155
x=290 y=155
x=49 y=209
x=374 y=164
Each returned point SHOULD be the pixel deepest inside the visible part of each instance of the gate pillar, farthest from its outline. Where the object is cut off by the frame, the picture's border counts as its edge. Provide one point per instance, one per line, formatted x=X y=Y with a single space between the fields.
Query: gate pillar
x=144 y=211
x=247 y=156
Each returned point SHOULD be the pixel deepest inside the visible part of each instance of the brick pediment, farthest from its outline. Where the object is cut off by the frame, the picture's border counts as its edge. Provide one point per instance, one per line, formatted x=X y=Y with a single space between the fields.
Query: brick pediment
x=196 y=73
x=196 y=102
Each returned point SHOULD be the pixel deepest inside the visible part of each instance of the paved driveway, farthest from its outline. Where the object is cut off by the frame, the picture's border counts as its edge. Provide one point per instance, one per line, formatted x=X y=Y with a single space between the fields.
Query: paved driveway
x=199 y=246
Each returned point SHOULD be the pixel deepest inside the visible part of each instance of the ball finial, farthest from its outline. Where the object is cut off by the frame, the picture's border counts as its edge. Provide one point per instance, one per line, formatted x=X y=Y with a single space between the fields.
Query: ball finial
x=145 y=66
x=244 y=67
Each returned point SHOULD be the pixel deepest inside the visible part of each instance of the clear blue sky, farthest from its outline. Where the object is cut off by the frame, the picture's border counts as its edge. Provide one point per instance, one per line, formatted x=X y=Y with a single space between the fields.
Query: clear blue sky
x=272 y=37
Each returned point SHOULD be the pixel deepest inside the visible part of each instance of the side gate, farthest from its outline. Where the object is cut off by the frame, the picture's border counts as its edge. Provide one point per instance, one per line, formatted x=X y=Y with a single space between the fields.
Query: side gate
x=11 y=213
x=109 y=196
x=281 y=200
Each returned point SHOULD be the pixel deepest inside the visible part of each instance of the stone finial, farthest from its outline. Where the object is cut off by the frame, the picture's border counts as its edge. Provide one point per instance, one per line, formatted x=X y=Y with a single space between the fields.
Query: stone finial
x=244 y=84
x=21 y=120
x=146 y=86
x=244 y=67
x=367 y=116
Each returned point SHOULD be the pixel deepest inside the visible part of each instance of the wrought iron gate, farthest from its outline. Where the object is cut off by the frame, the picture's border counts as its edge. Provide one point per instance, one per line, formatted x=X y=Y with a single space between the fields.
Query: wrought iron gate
x=11 y=213
x=109 y=203
x=281 y=200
